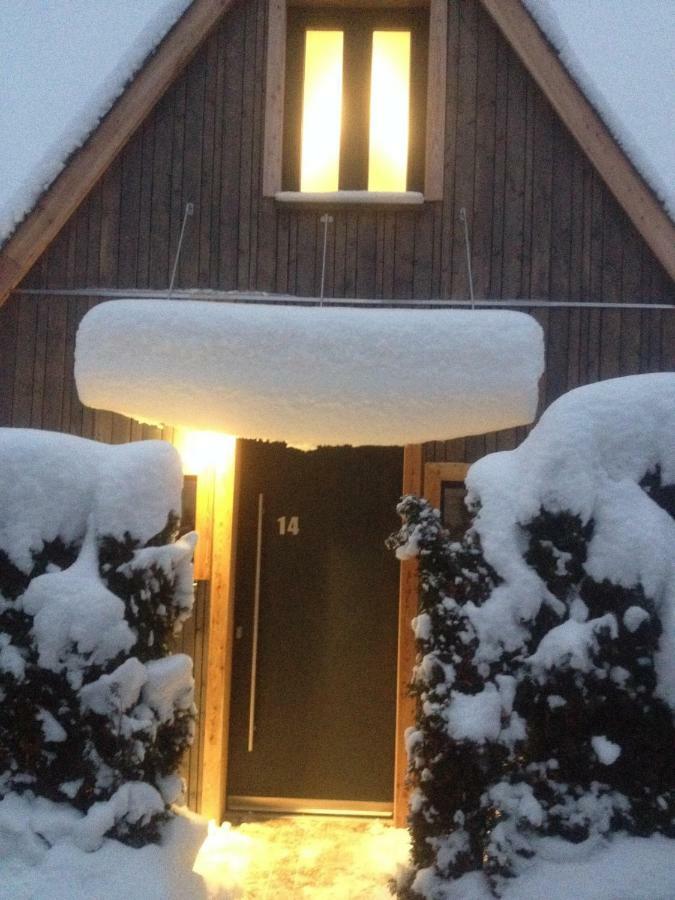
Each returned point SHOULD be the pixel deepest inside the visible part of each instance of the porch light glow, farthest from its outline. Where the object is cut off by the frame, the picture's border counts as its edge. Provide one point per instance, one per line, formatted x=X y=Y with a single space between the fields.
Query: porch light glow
x=223 y=859
x=321 y=111
x=389 y=111
x=202 y=450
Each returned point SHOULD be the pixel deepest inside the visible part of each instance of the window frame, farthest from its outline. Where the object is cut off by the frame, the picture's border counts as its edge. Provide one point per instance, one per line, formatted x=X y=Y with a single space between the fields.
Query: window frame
x=433 y=139
x=438 y=476
x=357 y=28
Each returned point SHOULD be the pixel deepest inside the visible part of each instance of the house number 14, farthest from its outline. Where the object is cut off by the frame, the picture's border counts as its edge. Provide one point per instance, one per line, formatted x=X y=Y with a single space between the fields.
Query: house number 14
x=289 y=524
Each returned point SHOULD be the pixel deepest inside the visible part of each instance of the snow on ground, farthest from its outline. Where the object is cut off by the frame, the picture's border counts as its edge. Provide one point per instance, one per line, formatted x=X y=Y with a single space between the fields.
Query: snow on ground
x=30 y=870
x=626 y=868
x=310 y=375
x=316 y=858
x=63 y=65
x=620 y=52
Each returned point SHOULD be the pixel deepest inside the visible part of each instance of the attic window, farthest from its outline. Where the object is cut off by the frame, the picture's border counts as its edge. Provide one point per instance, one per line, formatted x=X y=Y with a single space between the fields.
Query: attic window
x=351 y=117
x=355 y=101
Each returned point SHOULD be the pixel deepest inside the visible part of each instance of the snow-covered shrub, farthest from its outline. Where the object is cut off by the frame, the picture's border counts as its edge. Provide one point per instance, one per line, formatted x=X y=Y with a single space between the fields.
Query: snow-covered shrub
x=546 y=641
x=93 y=711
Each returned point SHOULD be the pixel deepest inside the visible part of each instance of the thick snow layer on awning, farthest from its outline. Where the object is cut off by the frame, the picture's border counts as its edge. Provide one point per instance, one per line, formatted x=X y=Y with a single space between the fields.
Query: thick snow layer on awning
x=310 y=375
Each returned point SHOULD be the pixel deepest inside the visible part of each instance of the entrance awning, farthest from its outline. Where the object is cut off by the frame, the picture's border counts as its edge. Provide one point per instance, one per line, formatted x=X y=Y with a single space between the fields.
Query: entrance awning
x=311 y=376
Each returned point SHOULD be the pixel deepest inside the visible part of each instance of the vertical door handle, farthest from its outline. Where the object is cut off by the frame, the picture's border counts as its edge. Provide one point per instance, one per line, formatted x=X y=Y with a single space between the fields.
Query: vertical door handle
x=256 y=620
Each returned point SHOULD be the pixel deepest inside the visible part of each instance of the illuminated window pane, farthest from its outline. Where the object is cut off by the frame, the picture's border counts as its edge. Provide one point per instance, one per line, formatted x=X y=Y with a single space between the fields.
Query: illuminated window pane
x=389 y=105
x=321 y=111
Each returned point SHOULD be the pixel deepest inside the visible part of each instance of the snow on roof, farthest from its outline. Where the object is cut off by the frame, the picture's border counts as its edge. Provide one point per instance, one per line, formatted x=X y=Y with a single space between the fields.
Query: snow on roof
x=310 y=375
x=63 y=65
x=620 y=52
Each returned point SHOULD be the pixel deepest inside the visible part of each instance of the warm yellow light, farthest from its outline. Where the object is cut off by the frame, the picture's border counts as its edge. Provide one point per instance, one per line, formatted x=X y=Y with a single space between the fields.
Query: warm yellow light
x=389 y=109
x=223 y=859
x=201 y=450
x=321 y=111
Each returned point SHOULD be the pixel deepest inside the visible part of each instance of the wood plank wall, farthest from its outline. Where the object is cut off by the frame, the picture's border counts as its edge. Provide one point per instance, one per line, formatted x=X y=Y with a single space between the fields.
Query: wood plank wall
x=543 y=226
x=193 y=640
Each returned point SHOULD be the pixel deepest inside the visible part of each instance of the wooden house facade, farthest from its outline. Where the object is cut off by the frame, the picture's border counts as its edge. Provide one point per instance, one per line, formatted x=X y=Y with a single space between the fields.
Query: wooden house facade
x=551 y=235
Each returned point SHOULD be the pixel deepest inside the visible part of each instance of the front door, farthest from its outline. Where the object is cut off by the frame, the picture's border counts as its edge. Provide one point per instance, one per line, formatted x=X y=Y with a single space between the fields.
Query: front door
x=314 y=673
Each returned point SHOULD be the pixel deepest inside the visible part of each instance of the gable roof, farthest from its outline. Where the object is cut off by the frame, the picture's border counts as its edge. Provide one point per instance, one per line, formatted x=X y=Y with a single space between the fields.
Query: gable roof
x=60 y=198
x=620 y=53
x=575 y=109
x=63 y=66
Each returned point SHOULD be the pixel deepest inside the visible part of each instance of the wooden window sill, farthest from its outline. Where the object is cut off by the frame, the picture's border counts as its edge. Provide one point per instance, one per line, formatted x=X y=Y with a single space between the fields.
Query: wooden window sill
x=337 y=199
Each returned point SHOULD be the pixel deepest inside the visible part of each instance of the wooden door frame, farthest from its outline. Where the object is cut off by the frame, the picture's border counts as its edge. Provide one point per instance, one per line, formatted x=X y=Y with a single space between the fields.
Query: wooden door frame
x=217 y=502
x=423 y=480
x=215 y=556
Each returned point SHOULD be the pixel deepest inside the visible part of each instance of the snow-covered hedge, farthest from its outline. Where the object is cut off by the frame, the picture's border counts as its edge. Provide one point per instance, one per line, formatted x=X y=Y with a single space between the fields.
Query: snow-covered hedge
x=94 y=713
x=546 y=642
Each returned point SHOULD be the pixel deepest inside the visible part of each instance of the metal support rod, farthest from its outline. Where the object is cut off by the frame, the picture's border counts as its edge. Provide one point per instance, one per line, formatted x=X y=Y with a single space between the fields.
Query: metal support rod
x=326 y=219
x=467 y=245
x=189 y=209
x=256 y=620
x=253 y=298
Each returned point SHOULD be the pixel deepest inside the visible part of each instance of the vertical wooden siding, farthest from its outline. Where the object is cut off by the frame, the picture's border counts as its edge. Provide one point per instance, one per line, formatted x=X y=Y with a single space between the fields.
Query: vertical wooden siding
x=193 y=640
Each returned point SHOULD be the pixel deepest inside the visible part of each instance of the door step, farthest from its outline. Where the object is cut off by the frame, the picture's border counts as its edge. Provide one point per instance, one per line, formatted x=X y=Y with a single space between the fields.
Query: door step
x=305 y=805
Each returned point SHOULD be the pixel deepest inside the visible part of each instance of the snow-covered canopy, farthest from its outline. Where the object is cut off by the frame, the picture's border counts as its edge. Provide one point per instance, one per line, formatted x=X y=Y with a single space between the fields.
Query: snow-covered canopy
x=620 y=52
x=63 y=65
x=310 y=375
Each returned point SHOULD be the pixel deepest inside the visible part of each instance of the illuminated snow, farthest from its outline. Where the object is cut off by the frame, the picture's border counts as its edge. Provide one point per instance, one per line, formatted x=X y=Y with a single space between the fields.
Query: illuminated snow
x=309 y=375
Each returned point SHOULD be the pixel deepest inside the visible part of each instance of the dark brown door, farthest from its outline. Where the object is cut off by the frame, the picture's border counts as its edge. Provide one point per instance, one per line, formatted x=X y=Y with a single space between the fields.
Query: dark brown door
x=323 y=689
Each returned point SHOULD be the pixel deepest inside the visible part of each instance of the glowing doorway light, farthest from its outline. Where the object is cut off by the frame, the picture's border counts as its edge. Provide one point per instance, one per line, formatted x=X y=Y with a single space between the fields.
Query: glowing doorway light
x=202 y=450
x=223 y=860
x=321 y=111
x=389 y=111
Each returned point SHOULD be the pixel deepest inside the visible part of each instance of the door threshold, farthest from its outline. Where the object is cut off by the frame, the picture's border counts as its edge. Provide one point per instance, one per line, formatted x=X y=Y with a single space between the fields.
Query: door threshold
x=311 y=806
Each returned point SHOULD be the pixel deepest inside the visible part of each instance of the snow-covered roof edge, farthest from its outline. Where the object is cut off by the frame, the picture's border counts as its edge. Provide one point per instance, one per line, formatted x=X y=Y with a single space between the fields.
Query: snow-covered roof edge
x=146 y=36
x=100 y=146
x=584 y=72
x=575 y=109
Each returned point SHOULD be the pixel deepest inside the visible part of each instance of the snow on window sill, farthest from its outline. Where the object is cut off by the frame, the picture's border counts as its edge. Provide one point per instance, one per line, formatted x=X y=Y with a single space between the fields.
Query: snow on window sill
x=351 y=198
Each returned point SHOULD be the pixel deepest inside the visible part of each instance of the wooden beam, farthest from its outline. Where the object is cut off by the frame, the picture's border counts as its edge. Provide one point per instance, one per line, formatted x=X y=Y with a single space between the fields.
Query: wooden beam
x=216 y=711
x=563 y=93
x=275 y=89
x=423 y=480
x=434 y=160
x=438 y=472
x=204 y=526
x=88 y=164
x=407 y=608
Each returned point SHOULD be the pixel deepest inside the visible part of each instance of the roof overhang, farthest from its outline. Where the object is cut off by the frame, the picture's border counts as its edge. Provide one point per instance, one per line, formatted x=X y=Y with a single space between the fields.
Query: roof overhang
x=87 y=165
x=619 y=174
